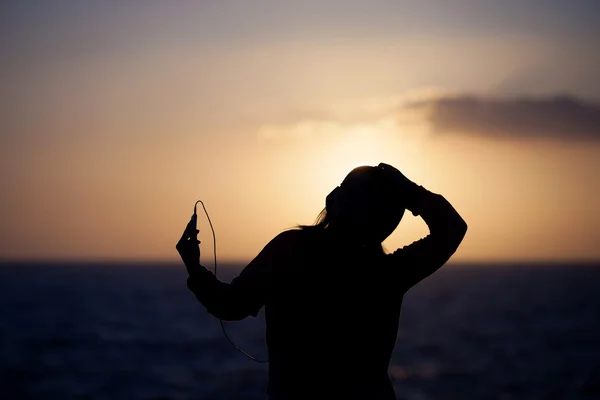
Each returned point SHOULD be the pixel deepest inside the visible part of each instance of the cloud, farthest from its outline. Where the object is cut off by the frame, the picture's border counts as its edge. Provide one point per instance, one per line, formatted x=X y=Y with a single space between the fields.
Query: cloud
x=561 y=117
x=438 y=113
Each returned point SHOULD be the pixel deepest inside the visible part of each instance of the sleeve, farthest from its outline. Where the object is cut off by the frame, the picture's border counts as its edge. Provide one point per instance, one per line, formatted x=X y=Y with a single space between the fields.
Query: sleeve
x=415 y=262
x=247 y=293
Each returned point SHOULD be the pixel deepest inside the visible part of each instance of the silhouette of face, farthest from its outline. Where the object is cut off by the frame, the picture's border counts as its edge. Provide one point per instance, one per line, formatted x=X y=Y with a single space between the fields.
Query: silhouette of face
x=372 y=206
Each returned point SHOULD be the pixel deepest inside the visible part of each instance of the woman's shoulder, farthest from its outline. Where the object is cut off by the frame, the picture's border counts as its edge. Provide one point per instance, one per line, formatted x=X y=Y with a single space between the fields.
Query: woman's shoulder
x=286 y=242
x=297 y=237
x=291 y=235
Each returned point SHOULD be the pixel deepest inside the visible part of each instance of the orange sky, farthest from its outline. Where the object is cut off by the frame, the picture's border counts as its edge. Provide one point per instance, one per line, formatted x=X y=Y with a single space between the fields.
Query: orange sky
x=111 y=133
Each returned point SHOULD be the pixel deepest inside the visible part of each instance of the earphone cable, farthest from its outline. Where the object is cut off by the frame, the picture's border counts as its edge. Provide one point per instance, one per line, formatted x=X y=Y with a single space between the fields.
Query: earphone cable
x=215 y=261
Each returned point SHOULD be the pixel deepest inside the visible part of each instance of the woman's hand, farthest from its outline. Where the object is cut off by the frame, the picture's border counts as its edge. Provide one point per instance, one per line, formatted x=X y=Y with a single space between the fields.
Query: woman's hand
x=395 y=176
x=188 y=247
x=406 y=188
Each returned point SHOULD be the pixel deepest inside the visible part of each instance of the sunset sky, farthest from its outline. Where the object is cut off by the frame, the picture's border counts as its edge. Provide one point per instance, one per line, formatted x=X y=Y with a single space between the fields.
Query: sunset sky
x=116 y=116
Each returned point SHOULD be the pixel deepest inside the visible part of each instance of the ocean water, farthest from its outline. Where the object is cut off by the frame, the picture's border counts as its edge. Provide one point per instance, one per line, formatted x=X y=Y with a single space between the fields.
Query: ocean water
x=110 y=331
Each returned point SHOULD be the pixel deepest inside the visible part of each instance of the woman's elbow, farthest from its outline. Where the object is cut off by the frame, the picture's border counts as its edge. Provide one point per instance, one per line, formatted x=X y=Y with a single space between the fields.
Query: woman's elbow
x=460 y=230
x=463 y=227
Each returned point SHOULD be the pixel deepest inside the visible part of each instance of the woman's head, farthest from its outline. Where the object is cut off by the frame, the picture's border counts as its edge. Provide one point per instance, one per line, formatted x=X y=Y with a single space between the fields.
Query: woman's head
x=366 y=205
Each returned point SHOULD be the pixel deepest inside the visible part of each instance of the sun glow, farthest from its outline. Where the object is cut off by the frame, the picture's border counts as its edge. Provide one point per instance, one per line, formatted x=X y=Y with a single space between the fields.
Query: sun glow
x=342 y=151
x=358 y=147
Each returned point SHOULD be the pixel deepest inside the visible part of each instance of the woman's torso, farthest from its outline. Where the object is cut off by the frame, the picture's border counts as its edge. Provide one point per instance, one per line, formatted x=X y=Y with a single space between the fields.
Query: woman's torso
x=332 y=319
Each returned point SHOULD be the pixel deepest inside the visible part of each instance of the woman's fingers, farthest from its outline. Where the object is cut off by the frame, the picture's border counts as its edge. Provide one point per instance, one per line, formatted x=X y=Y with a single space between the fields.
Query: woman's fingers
x=188 y=230
x=185 y=231
x=190 y=235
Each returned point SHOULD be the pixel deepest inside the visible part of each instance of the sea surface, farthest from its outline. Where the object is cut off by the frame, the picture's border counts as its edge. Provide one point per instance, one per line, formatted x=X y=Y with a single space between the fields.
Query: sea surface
x=133 y=331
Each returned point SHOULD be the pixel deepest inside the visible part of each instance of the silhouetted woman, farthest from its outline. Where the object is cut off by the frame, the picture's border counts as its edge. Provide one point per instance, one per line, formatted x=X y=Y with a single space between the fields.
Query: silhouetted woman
x=332 y=296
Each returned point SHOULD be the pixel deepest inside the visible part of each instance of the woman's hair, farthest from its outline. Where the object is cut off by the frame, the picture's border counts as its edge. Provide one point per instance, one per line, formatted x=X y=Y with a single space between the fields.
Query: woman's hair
x=321 y=223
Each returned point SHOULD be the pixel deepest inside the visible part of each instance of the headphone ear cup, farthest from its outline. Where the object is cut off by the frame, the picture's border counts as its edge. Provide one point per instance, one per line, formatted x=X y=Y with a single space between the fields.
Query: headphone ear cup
x=331 y=203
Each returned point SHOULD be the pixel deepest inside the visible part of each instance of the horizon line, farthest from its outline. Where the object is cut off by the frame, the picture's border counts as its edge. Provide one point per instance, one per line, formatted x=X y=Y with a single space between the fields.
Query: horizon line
x=236 y=263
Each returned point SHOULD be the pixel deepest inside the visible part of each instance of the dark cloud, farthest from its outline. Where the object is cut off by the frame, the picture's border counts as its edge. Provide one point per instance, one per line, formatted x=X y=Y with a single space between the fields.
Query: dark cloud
x=562 y=117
